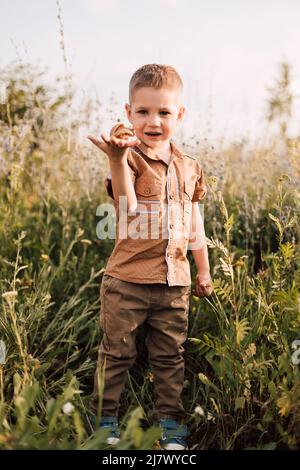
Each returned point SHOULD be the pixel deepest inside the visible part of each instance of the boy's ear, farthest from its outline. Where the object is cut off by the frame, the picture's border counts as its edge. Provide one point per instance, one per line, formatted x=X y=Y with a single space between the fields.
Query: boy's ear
x=128 y=111
x=180 y=114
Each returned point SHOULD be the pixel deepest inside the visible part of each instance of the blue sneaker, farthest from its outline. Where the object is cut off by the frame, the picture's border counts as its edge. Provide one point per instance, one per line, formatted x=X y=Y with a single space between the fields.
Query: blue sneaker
x=111 y=422
x=173 y=434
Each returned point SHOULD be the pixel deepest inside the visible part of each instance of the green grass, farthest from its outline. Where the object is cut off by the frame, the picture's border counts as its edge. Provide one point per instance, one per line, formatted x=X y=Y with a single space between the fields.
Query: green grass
x=242 y=389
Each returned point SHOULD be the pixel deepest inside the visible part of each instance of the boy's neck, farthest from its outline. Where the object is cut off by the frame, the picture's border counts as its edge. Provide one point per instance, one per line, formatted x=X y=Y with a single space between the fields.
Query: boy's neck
x=163 y=150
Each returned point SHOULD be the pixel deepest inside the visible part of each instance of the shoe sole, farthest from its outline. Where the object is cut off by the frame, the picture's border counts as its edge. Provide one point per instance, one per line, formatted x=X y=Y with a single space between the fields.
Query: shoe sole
x=112 y=441
x=174 y=447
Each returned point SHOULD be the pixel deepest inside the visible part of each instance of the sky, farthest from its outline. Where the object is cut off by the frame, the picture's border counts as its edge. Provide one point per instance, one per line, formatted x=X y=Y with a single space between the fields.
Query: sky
x=227 y=52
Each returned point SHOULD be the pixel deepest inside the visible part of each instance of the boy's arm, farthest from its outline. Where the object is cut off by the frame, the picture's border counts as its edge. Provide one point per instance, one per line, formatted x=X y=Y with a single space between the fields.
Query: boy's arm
x=199 y=251
x=117 y=150
x=121 y=181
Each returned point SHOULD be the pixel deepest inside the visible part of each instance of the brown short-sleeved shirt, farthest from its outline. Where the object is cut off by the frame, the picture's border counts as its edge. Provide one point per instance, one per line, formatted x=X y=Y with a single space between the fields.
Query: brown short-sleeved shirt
x=151 y=243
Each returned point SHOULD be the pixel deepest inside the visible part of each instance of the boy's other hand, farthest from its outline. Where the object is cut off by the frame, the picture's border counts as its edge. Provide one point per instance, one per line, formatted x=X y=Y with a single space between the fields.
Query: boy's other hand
x=203 y=285
x=114 y=147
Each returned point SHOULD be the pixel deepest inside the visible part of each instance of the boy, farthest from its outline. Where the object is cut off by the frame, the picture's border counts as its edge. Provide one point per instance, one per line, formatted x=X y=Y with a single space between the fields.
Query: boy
x=147 y=278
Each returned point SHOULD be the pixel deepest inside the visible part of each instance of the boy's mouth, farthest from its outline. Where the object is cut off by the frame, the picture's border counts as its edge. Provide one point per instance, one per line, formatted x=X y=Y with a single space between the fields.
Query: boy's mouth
x=153 y=133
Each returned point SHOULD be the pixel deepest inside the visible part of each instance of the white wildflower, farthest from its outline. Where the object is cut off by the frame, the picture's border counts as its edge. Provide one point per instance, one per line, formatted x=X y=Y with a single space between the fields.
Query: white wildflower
x=210 y=417
x=199 y=410
x=85 y=241
x=68 y=408
x=9 y=295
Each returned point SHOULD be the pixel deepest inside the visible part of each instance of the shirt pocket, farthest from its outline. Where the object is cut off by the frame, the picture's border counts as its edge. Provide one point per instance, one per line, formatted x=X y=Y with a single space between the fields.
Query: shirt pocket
x=144 y=222
x=147 y=188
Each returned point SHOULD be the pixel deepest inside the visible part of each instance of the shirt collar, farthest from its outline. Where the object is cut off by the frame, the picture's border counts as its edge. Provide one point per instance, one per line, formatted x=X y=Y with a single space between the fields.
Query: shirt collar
x=149 y=152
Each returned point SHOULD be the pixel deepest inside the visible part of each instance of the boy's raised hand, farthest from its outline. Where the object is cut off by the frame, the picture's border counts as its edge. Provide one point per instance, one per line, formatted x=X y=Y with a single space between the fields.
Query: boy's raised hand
x=114 y=147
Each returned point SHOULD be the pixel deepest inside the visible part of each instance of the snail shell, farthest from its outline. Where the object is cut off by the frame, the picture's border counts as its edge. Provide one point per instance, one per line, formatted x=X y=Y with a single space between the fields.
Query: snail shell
x=122 y=132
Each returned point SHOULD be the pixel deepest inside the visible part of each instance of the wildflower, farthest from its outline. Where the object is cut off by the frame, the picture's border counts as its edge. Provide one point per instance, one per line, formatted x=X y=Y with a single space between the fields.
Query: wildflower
x=68 y=408
x=85 y=241
x=239 y=263
x=284 y=177
x=33 y=361
x=79 y=232
x=210 y=417
x=284 y=404
x=186 y=384
x=150 y=377
x=199 y=410
x=251 y=350
x=8 y=296
x=204 y=379
x=46 y=298
x=213 y=180
x=16 y=171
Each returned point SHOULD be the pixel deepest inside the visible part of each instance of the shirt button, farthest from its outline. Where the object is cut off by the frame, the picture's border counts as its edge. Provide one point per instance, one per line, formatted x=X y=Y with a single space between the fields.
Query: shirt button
x=171 y=225
x=171 y=196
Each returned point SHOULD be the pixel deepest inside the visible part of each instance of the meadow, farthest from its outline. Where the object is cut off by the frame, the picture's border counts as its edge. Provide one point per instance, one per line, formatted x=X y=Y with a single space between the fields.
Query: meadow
x=242 y=387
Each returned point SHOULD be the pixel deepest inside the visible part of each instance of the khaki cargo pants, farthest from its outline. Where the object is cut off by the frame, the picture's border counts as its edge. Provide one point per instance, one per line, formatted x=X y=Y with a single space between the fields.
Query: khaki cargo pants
x=164 y=310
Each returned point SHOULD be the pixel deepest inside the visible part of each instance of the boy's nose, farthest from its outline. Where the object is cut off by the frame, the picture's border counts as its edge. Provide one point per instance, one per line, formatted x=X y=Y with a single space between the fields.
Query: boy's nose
x=154 y=120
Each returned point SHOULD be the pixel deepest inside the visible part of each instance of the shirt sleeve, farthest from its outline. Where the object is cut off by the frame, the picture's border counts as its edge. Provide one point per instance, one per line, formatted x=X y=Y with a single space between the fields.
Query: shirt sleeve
x=200 y=187
x=108 y=182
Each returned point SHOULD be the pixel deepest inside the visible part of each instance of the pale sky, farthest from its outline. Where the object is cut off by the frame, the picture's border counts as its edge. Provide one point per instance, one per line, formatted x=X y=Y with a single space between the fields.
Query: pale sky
x=226 y=51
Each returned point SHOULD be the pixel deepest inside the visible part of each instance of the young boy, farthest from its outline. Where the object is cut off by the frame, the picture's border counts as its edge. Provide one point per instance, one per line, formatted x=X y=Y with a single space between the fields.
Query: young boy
x=147 y=278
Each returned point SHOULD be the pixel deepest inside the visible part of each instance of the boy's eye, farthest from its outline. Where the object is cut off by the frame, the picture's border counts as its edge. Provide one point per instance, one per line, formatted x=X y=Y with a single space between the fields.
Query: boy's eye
x=143 y=111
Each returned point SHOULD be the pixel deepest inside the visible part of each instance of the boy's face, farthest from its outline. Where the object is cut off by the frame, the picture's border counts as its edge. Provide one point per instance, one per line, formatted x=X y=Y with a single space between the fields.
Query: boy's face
x=155 y=111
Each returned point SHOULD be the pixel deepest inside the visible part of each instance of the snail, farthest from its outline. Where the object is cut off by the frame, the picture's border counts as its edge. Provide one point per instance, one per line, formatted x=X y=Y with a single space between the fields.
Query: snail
x=122 y=132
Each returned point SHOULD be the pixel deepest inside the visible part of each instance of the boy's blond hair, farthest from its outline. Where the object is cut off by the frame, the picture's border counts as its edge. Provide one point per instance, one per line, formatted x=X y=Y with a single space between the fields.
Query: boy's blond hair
x=156 y=76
